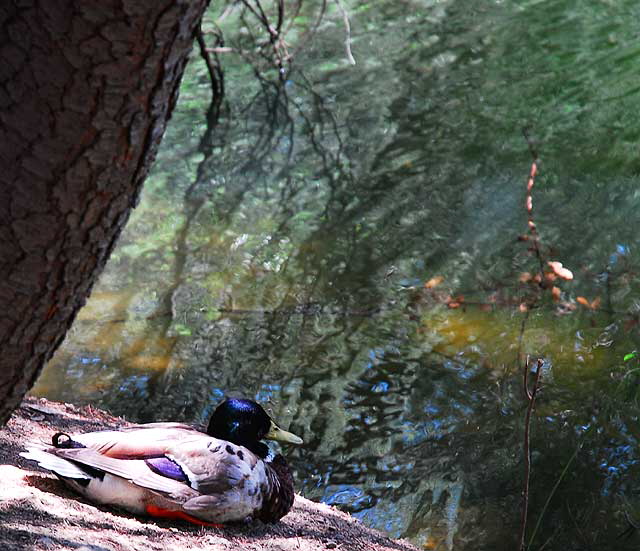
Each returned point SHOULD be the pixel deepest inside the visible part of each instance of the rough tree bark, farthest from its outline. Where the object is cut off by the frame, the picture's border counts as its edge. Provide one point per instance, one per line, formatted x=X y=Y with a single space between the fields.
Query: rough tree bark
x=86 y=89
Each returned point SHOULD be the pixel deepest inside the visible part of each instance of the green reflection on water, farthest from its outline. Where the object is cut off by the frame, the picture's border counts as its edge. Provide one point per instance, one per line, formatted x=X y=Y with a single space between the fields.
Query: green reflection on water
x=284 y=257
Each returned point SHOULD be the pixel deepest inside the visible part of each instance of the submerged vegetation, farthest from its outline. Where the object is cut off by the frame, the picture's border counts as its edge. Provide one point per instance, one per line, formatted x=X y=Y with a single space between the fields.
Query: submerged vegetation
x=352 y=245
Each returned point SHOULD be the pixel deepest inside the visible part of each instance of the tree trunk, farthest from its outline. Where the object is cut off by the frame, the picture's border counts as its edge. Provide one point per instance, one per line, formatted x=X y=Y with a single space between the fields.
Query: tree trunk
x=86 y=89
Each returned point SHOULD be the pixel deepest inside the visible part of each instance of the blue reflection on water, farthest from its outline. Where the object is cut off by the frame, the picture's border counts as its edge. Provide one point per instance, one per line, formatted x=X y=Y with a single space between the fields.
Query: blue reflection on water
x=618 y=461
x=621 y=250
x=267 y=392
x=135 y=383
x=382 y=386
x=216 y=395
x=343 y=495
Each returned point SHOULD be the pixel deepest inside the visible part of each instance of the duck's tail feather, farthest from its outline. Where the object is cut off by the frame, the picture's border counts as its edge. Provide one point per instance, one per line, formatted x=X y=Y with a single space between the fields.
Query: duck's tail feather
x=61 y=467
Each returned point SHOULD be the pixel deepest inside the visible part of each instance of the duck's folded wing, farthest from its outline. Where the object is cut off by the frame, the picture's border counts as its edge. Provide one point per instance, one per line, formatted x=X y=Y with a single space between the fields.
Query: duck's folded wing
x=68 y=469
x=139 y=441
x=134 y=470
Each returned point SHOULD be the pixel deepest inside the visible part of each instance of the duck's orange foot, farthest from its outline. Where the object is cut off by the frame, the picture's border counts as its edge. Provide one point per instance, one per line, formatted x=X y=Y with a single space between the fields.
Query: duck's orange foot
x=167 y=513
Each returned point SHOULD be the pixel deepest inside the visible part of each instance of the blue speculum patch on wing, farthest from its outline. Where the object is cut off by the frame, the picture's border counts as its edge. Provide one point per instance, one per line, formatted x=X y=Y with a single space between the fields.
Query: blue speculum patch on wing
x=165 y=467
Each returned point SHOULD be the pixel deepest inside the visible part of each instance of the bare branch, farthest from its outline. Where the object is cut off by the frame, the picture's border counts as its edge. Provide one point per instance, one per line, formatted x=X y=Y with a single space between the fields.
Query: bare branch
x=531 y=398
x=347 y=42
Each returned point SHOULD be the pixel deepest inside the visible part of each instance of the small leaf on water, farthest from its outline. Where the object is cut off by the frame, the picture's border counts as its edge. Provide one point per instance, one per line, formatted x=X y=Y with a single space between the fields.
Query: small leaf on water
x=560 y=270
x=593 y=305
x=523 y=307
x=434 y=282
x=629 y=356
x=583 y=301
x=183 y=330
x=555 y=293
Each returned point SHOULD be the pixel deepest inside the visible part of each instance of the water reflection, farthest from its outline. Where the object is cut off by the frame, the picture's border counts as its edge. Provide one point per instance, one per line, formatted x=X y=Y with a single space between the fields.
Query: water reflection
x=282 y=255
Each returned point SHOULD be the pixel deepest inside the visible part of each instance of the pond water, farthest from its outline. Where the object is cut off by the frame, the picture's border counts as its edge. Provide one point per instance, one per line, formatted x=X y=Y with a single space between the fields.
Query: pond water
x=283 y=253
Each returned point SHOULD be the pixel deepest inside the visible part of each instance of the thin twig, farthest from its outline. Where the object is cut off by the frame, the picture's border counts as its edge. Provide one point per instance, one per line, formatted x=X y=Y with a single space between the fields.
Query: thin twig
x=276 y=38
x=221 y=50
x=523 y=327
x=280 y=16
x=308 y=35
x=555 y=487
x=216 y=76
x=531 y=397
x=549 y=539
x=529 y=203
x=259 y=16
x=347 y=42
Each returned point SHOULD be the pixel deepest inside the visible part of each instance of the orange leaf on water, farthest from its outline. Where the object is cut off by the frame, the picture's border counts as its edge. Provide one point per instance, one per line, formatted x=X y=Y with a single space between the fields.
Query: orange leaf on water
x=583 y=301
x=560 y=270
x=433 y=282
x=555 y=293
x=523 y=307
x=453 y=305
x=593 y=305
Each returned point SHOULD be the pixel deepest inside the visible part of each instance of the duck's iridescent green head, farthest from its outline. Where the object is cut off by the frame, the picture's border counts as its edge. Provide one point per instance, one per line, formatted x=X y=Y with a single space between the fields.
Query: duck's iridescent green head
x=245 y=423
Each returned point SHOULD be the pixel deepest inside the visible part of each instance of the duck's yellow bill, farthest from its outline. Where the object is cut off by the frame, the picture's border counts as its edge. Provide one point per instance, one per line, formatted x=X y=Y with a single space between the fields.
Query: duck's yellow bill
x=276 y=433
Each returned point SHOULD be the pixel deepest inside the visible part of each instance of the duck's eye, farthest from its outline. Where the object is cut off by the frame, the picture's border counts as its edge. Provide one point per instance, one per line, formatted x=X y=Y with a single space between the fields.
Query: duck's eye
x=235 y=425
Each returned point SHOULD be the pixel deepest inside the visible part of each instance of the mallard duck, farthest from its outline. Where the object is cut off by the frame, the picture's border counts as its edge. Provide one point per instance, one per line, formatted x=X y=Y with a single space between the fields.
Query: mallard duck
x=173 y=470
